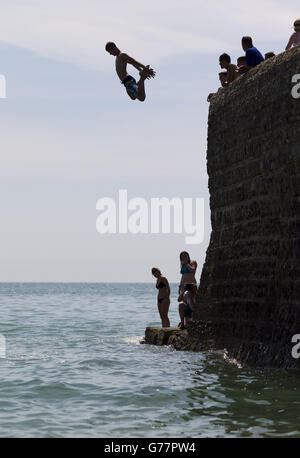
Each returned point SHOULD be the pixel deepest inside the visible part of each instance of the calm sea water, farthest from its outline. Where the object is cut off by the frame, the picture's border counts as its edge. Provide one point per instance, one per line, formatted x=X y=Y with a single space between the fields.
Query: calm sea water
x=74 y=368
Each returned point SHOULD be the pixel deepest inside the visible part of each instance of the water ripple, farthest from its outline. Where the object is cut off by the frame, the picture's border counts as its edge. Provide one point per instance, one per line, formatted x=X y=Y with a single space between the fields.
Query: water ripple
x=75 y=368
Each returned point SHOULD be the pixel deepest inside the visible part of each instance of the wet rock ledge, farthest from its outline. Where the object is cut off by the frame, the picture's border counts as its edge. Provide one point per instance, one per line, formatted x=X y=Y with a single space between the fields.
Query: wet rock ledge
x=165 y=336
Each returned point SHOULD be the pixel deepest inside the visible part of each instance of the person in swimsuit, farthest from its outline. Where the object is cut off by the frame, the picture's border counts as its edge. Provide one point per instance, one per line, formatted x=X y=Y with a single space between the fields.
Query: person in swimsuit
x=163 y=297
x=225 y=62
x=295 y=37
x=186 y=306
x=223 y=81
x=135 y=90
x=241 y=65
x=188 y=271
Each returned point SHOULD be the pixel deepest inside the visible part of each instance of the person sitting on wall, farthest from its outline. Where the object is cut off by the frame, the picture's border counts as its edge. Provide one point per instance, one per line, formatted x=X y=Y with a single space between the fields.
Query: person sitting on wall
x=163 y=296
x=270 y=54
x=225 y=62
x=295 y=37
x=223 y=81
x=241 y=65
x=253 y=55
x=185 y=308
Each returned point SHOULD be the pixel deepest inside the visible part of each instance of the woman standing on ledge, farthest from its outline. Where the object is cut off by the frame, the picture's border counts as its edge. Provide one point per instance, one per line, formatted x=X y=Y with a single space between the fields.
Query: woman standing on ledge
x=188 y=271
x=163 y=297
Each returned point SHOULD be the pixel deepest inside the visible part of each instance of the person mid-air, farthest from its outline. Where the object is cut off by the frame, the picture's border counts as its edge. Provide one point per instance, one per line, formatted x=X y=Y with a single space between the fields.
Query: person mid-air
x=135 y=90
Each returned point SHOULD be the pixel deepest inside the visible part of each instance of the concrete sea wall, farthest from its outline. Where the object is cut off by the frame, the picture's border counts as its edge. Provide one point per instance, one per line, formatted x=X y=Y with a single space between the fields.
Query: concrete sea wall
x=249 y=295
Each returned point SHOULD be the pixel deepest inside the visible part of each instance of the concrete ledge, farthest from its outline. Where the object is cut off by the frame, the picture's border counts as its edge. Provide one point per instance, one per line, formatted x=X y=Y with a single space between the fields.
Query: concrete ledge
x=161 y=336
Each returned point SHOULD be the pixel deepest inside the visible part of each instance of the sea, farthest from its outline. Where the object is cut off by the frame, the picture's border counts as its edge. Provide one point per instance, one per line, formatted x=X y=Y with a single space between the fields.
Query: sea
x=73 y=366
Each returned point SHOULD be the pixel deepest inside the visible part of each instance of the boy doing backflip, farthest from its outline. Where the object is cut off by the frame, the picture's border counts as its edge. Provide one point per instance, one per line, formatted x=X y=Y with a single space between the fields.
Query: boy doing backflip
x=135 y=90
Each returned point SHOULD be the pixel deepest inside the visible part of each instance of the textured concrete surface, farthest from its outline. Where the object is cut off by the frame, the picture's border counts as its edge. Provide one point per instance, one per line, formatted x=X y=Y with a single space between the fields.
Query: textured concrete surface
x=162 y=336
x=249 y=295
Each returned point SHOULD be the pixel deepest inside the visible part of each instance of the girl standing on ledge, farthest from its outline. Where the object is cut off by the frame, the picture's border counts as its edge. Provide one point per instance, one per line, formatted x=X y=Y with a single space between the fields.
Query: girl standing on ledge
x=163 y=297
x=188 y=271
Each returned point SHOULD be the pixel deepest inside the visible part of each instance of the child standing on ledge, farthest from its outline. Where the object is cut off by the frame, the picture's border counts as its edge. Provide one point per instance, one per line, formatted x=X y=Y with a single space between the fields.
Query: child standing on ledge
x=186 y=306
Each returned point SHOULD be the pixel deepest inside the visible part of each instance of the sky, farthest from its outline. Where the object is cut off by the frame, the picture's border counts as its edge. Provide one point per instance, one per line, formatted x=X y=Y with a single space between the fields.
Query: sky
x=70 y=135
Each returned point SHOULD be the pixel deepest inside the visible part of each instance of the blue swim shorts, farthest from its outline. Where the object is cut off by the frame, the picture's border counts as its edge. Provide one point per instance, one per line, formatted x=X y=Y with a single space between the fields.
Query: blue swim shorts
x=131 y=86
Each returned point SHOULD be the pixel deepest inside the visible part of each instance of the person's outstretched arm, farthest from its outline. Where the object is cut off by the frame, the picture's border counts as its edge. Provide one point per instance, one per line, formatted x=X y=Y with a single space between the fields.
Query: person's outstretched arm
x=133 y=62
x=138 y=65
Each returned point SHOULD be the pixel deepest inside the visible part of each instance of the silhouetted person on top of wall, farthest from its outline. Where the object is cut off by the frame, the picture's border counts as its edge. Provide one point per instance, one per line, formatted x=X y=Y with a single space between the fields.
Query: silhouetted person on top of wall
x=253 y=55
x=225 y=62
x=295 y=37
x=241 y=65
x=268 y=55
x=223 y=81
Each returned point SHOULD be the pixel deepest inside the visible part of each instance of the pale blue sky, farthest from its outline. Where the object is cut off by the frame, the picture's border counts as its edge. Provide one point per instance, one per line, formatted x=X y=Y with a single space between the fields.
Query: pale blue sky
x=70 y=134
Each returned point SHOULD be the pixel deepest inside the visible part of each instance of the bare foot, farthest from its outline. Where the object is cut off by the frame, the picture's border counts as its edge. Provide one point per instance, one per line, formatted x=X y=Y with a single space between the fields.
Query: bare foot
x=181 y=326
x=151 y=72
x=144 y=74
x=147 y=73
